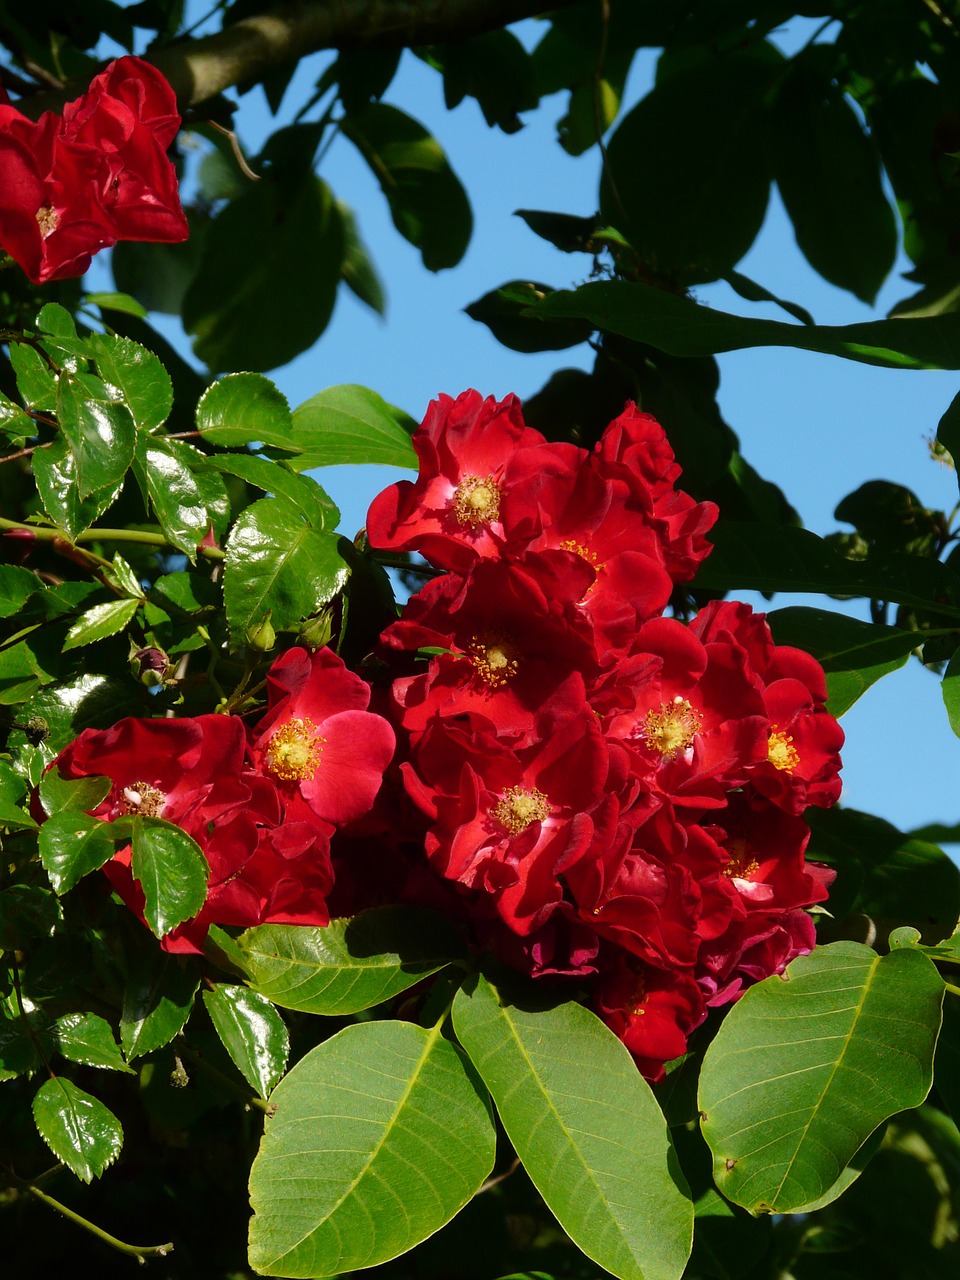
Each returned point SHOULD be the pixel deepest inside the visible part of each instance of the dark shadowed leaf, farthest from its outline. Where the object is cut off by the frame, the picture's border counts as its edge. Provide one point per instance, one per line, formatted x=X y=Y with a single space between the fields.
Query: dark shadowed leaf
x=593 y=1141
x=157 y=1000
x=805 y=1068
x=77 y=1128
x=503 y=312
x=427 y=202
x=351 y=964
x=16 y=587
x=380 y=1136
x=358 y=271
x=950 y=688
x=252 y=1032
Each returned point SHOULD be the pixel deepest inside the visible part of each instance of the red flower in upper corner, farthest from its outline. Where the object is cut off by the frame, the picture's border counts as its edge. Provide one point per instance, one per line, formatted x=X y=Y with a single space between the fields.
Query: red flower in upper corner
x=76 y=183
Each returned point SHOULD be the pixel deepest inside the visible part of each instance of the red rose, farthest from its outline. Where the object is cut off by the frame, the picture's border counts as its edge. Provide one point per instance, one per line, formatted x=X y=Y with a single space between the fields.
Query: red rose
x=77 y=183
x=652 y=1011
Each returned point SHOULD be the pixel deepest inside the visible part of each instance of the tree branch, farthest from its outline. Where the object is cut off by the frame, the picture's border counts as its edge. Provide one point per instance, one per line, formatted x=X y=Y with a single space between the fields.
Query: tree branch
x=247 y=50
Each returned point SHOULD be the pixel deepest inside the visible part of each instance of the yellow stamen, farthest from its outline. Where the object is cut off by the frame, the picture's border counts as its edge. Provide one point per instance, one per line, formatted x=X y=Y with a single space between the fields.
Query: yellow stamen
x=518 y=807
x=739 y=863
x=141 y=798
x=781 y=752
x=495 y=660
x=293 y=753
x=672 y=728
x=578 y=549
x=477 y=501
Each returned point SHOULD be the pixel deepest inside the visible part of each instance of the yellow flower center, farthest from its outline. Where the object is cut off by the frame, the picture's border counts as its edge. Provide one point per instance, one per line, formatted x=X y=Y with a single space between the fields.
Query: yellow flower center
x=142 y=799
x=495 y=660
x=672 y=728
x=518 y=807
x=781 y=752
x=477 y=501
x=578 y=549
x=293 y=753
x=739 y=863
x=48 y=220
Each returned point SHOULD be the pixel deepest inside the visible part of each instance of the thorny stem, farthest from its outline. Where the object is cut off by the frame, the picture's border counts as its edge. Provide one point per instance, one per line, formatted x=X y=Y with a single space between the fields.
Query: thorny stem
x=142 y=536
x=139 y=1251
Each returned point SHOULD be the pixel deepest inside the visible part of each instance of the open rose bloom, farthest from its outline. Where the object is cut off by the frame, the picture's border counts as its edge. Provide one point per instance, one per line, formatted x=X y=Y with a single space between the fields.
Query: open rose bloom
x=76 y=183
x=600 y=794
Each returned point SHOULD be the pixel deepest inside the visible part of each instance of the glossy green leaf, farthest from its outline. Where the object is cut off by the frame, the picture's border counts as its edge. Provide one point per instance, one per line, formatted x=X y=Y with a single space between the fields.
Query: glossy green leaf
x=380 y=1136
x=278 y=567
x=191 y=592
x=72 y=845
x=684 y=328
x=241 y=408
x=88 y=1039
x=15 y=423
x=350 y=424
x=82 y=794
x=13 y=789
x=99 y=429
x=136 y=376
x=252 y=1032
x=288 y=238
x=428 y=205
x=587 y=1128
x=35 y=379
x=759 y=557
x=77 y=1128
x=157 y=1000
x=854 y=654
x=950 y=689
x=171 y=870
x=88 y=702
x=504 y=312
x=99 y=622
x=16 y=587
x=351 y=964
x=276 y=478
x=173 y=490
x=806 y=1066
x=828 y=172
x=55 y=471
x=687 y=178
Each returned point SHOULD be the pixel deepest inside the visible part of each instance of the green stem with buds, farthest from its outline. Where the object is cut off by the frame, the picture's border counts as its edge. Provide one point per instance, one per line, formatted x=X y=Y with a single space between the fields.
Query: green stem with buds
x=142 y=536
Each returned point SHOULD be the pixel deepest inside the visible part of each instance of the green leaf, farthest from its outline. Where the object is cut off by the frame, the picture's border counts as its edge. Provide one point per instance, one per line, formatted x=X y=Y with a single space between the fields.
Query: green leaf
x=587 y=1128
x=950 y=688
x=253 y=1034
x=122 y=576
x=12 y=793
x=277 y=566
x=173 y=491
x=504 y=312
x=494 y=68
x=21 y=673
x=171 y=870
x=948 y=430
x=350 y=424
x=19 y=1040
x=947 y=1061
x=242 y=408
x=351 y=964
x=828 y=172
x=136 y=376
x=99 y=429
x=116 y=302
x=16 y=587
x=15 y=423
x=684 y=328
x=72 y=845
x=687 y=178
x=58 y=793
x=760 y=557
x=854 y=654
x=754 y=292
x=289 y=239
x=380 y=1136
x=357 y=269
x=35 y=379
x=55 y=471
x=99 y=622
x=77 y=1128
x=27 y=913
x=428 y=205
x=157 y=1001
x=188 y=592
x=806 y=1066
x=85 y=1038
x=276 y=478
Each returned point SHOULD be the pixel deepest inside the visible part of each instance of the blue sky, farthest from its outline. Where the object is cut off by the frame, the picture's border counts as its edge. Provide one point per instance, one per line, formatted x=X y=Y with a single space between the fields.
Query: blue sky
x=817 y=426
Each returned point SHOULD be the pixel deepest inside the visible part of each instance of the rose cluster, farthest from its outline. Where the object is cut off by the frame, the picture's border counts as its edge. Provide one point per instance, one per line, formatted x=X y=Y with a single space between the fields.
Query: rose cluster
x=612 y=794
x=262 y=803
x=75 y=183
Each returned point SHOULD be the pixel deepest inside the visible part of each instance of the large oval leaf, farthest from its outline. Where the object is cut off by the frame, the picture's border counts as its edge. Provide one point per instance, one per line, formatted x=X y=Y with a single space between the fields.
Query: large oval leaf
x=242 y=408
x=349 y=424
x=587 y=1128
x=380 y=1137
x=351 y=964
x=806 y=1066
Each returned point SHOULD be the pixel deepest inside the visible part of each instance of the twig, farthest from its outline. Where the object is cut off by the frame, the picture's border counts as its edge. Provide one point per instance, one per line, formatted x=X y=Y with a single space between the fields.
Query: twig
x=139 y=1251
x=237 y=155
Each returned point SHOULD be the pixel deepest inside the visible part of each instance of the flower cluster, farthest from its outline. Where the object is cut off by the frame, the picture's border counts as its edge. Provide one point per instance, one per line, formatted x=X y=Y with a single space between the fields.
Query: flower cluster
x=75 y=183
x=262 y=803
x=610 y=792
